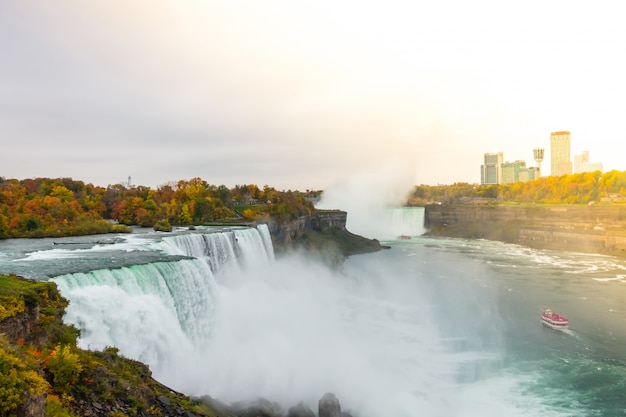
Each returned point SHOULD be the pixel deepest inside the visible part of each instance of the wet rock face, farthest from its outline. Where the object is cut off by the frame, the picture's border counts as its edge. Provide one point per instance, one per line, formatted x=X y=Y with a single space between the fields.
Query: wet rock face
x=329 y=406
x=258 y=408
x=286 y=231
x=591 y=229
x=21 y=325
x=34 y=406
x=300 y=410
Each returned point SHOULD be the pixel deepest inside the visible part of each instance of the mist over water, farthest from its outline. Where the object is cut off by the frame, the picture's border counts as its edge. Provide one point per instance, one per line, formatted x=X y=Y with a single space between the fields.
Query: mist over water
x=373 y=201
x=430 y=327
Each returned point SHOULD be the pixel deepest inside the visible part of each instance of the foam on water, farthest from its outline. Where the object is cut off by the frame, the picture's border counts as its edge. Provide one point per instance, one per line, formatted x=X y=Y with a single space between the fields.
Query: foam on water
x=431 y=327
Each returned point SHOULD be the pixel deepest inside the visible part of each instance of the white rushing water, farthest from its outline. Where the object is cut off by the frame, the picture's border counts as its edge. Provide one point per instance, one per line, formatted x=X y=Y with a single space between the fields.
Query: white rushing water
x=431 y=327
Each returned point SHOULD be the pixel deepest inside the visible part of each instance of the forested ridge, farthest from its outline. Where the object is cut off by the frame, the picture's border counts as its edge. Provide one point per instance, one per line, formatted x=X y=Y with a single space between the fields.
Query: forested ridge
x=44 y=207
x=583 y=188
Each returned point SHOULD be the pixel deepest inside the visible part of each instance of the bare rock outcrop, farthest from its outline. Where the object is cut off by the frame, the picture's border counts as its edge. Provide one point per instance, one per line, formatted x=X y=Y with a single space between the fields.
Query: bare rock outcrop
x=300 y=410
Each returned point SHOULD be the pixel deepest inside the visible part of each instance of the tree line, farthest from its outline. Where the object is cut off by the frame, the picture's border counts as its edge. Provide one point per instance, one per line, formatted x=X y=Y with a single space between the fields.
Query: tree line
x=582 y=188
x=43 y=207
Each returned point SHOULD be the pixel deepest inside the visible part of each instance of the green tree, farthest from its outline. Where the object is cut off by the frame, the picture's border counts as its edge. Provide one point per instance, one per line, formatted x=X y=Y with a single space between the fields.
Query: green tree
x=185 y=215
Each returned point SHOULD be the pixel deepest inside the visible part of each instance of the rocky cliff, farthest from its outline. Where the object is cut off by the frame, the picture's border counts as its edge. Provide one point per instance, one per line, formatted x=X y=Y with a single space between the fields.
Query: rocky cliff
x=323 y=233
x=594 y=229
x=287 y=231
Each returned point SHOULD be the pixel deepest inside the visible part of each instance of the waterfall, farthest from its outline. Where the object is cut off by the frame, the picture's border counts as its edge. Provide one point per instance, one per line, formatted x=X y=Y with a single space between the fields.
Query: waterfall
x=407 y=221
x=156 y=313
x=386 y=223
x=162 y=313
x=223 y=250
x=255 y=248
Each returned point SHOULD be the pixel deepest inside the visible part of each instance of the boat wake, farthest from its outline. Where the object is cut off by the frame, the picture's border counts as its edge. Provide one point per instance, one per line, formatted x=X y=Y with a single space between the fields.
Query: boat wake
x=570 y=332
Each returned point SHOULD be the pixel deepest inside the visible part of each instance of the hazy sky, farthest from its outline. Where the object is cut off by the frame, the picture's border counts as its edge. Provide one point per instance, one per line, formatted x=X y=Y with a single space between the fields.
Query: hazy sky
x=304 y=94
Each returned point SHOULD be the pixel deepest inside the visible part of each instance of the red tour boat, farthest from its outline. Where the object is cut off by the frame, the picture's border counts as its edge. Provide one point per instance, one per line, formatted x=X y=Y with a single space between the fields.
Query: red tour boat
x=553 y=320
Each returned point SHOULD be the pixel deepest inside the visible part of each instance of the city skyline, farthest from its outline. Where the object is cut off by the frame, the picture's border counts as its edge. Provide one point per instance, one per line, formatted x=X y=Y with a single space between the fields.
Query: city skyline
x=498 y=170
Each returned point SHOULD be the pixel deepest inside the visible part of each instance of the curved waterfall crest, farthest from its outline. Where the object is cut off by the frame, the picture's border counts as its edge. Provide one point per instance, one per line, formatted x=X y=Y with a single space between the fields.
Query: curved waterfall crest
x=153 y=310
x=184 y=290
x=225 y=249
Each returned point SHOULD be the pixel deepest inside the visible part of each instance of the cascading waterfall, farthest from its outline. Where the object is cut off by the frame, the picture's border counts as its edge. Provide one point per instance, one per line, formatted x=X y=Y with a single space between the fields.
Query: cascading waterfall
x=407 y=221
x=222 y=250
x=161 y=313
x=156 y=313
x=387 y=223
x=255 y=248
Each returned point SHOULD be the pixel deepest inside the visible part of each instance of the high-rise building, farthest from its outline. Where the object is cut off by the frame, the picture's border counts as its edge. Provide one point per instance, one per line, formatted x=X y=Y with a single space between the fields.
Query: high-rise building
x=579 y=161
x=491 y=170
x=582 y=163
x=518 y=172
x=561 y=163
x=529 y=174
x=511 y=171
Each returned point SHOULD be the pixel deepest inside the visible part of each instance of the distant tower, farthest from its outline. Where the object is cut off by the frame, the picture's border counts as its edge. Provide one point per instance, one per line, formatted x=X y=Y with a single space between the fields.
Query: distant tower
x=538 y=154
x=129 y=182
x=561 y=163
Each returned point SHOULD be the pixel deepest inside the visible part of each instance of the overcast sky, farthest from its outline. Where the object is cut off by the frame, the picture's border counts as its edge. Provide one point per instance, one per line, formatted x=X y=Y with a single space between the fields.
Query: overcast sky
x=304 y=94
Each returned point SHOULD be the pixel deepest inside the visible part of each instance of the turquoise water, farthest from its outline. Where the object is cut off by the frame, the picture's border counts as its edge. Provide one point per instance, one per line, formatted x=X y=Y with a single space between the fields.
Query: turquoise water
x=430 y=327
x=580 y=371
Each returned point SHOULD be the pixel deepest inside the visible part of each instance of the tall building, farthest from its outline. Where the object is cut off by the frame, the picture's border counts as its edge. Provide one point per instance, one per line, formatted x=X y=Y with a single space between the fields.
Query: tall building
x=518 y=172
x=511 y=171
x=491 y=170
x=582 y=163
x=529 y=174
x=579 y=161
x=561 y=163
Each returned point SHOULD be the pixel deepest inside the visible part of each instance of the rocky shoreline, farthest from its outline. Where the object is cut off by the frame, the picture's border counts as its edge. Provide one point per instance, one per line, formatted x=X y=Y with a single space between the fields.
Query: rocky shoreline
x=579 y=228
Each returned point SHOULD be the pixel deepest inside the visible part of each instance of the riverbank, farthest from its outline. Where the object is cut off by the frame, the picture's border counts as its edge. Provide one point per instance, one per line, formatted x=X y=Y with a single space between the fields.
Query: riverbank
x=579 y=228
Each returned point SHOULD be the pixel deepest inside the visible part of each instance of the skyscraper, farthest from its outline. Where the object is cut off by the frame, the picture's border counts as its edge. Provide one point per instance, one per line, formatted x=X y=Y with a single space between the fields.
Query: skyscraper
x=579 y=161
x=561 y=163
x=582 y=163
x=491 y=171
x=511 y=171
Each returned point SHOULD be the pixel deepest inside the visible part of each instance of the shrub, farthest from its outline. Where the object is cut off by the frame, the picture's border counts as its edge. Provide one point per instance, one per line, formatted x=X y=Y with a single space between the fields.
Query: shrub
x=16 y=381
x=65 y=368
x=55 y=408
x=163 y=226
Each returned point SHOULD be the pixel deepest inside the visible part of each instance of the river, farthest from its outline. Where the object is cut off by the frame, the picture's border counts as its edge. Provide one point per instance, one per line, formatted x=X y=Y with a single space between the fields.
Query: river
x=429 y=327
